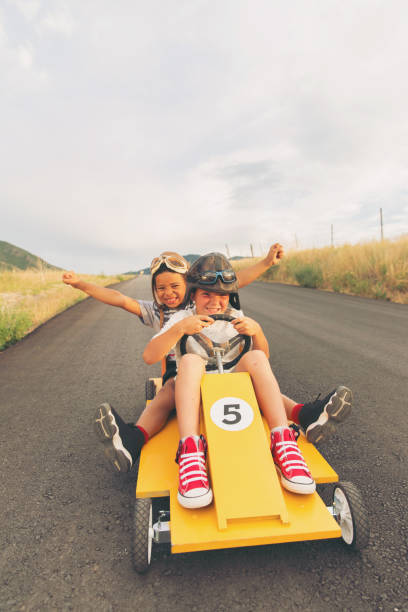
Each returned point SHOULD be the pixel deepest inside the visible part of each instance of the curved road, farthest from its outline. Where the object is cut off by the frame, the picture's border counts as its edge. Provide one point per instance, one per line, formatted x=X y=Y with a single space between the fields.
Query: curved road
x=66 y=518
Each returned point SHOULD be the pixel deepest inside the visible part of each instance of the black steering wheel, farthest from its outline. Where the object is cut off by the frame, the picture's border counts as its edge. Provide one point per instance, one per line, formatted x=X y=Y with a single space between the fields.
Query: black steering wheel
x=227 y=346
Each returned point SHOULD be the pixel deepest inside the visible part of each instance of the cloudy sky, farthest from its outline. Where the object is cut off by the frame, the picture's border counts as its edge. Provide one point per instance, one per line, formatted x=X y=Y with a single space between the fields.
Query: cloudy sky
x=132 y=127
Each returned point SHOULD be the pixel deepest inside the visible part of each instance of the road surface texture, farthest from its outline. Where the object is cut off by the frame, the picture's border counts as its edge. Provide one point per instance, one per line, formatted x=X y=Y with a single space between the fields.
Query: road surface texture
x=66 y=517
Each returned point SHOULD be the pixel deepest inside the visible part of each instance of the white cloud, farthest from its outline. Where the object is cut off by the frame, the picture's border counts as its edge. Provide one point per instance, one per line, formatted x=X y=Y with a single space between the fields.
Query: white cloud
x=58 y=20
x=25 y=56
x=157 y=125
x=46 y=15
x=20 y=73
x=28 y=8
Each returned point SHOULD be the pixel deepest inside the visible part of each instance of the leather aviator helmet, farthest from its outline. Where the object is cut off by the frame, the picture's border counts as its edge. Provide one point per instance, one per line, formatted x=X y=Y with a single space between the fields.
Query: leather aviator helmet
x=213 y=272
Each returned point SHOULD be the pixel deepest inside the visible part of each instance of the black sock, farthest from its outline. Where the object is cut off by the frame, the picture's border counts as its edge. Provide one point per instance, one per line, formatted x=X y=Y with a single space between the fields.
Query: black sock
x=137 y=440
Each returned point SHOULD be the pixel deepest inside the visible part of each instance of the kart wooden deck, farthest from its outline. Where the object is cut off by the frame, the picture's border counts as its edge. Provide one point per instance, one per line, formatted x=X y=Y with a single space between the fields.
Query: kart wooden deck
x=250 y=507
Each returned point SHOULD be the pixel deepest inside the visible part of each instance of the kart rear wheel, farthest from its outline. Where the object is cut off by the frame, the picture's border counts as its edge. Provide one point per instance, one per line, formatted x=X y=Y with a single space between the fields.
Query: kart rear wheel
x=351 y=514
x=150 y=389
x=142 y=534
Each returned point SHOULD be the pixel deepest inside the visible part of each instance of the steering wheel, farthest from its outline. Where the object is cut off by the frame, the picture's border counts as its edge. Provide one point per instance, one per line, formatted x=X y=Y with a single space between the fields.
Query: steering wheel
x=227 y=346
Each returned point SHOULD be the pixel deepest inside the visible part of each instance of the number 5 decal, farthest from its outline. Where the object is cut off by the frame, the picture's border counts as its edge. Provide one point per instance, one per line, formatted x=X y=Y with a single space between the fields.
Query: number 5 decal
x=232 y=410
x=231 y=413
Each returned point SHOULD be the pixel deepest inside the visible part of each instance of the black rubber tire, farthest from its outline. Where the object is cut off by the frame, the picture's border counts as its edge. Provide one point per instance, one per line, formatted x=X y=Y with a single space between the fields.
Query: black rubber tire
x=142 y=542
x=360 y=536
x=150 y=389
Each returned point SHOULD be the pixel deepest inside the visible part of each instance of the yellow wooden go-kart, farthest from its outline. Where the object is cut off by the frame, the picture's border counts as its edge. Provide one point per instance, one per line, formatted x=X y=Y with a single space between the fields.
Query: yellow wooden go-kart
x=250 y=506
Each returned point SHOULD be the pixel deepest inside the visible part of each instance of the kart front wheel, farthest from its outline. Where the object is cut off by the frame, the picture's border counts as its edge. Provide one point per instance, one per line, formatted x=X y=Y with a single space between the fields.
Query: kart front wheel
x=351 y=514
x=142 y=534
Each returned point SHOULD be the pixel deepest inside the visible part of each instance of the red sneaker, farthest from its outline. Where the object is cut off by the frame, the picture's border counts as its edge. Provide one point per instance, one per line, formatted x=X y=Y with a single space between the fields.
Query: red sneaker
x=194 y=490
x=294 y=473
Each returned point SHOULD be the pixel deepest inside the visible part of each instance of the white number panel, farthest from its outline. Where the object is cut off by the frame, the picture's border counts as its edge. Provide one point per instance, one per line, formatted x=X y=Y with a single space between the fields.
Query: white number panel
x=231 y=413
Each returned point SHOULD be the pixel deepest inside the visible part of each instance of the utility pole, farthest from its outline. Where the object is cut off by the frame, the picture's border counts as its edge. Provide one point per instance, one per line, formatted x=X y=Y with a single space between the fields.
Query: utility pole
x=381 y=225
x=252 y=250
x=332 y=240
x=228 y=251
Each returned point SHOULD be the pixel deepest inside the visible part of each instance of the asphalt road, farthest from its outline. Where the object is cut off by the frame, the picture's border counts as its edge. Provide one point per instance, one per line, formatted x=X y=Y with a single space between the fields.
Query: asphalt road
x=66 y=517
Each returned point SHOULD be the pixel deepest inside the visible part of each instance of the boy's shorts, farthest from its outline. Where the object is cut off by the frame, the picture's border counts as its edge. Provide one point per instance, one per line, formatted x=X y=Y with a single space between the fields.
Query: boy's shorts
x=171 y=372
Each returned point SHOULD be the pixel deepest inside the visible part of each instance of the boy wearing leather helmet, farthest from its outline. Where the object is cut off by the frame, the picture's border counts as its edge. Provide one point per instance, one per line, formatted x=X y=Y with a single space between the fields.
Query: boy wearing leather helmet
x=212 y=285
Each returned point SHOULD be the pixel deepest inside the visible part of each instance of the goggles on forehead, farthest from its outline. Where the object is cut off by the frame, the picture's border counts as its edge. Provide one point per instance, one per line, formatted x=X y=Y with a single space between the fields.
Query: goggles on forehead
x=174 y=262
x=210 y=277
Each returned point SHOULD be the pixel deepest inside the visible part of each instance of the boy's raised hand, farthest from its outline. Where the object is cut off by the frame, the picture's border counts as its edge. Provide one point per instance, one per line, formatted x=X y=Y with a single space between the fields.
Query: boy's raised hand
x=195 y=323
x=246 y=326
x=275 y=254
x=70 y=278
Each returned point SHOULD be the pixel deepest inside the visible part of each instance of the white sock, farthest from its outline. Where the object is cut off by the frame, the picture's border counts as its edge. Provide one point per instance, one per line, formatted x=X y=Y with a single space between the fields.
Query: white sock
x=280 y=429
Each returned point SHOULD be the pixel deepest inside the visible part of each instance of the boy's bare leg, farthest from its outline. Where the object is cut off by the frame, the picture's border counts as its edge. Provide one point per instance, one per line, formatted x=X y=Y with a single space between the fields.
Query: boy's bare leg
x=266 y=387
x=294 y=473
x=156 y=413
x=289 y=404
x=189 y=374
x=194 y=489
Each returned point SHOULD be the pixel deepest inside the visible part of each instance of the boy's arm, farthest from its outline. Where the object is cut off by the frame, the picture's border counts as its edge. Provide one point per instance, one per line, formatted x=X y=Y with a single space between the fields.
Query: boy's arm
x=248 y=275
x=103 y=294
x=260 y=342
x=160 y=345
x=248 y=326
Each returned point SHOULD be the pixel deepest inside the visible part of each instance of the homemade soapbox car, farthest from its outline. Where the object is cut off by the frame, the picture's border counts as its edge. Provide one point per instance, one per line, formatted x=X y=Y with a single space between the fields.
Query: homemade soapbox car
x=250 y=507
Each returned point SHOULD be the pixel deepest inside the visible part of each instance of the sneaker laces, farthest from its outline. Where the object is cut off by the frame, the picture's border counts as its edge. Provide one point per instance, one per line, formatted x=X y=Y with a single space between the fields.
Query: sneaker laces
x=296 y=430
x=290 y=457
x=192 y=465
x=192 y=468
x=314 y=401
x=180 y=446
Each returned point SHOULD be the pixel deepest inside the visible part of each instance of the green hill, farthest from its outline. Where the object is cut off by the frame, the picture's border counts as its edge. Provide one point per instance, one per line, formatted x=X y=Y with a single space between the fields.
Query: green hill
x=12 y=256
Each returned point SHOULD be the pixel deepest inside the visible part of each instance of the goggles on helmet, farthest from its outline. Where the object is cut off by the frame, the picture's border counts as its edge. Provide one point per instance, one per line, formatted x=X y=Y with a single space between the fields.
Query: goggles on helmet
x=210 y=277
x=173 y=261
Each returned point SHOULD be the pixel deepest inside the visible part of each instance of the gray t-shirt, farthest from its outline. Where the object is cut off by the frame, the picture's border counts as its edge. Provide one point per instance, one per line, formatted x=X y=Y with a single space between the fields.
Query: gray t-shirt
x=151 y=314
x=219 y=331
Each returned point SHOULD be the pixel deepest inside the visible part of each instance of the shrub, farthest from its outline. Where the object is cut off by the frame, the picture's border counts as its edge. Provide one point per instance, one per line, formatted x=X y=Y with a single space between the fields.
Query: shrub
x=13 y=326
x=309 y=276
x=380 y=292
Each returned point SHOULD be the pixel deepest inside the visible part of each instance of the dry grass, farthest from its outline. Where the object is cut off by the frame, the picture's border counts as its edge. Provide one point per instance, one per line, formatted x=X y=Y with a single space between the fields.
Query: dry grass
x=237 y=264
x=31 y=297
x=375 y=269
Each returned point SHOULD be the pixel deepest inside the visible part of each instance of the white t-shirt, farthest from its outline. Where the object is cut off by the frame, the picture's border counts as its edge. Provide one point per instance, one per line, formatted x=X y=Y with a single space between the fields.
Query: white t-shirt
x=219 y=331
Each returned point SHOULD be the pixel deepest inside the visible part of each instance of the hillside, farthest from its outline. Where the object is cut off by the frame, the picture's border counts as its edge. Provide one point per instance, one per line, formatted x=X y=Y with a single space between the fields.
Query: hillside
x=12 y=257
